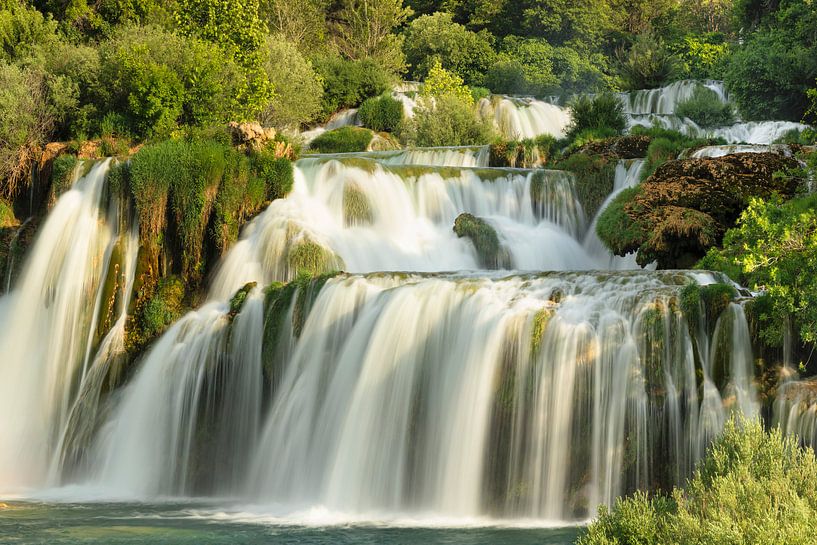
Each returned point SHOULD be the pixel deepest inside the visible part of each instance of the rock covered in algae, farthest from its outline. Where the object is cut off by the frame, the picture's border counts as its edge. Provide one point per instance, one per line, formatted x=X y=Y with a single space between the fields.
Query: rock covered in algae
x=490 y=252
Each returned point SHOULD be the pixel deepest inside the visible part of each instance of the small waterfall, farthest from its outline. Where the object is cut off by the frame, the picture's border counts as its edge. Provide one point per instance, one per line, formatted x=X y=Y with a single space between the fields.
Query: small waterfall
x=363 y=216
x=664 y=100
x=453 y=156
x=523 y=117
x=795 y=410
x=628 y=174
x=47 y=327
x=721 y=151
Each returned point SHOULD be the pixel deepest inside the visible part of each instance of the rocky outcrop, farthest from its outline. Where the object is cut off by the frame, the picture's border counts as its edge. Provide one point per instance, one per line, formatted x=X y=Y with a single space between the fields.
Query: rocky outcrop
x=623 y=147
x=686 y=206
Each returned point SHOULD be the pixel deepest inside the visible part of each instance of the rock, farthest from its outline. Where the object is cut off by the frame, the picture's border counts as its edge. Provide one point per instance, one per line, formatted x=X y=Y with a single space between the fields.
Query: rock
x=687 y=205
x=622 y=147
x=252 y=135
x=486 y=242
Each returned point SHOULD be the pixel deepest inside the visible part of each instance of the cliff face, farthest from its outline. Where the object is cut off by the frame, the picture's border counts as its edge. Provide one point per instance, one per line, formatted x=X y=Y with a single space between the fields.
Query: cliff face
x=687 y=205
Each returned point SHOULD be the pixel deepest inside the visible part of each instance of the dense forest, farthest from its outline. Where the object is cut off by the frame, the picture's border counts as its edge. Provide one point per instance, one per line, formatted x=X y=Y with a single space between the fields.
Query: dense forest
x=207 y=105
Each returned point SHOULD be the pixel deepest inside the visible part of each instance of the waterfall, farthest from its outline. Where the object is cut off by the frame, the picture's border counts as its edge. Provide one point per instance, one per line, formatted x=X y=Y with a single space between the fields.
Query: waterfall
x=795 y=410
x=527 y=396
x=664 y=100
x=524 y=117
x=48 y=324
x=448 y=156
x=721 y=151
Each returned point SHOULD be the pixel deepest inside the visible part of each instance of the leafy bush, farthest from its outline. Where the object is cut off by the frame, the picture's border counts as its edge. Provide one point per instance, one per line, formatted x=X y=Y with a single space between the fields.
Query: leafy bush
x=773 y=243
x=298 y=89
x=533 y=55
x=703 y=56
x=752 y=487
x=276 y=173
x=604 y=111
x=647 y=64
x=506 y=76
x=62 y=173
x=348 y=83
x=158 y=81
x=23 y=29
x=342 y=140
x=383 y=113
x=770 y=75
x=441 y=83
x=447 y=122
x=705 y=108
x=437 y=37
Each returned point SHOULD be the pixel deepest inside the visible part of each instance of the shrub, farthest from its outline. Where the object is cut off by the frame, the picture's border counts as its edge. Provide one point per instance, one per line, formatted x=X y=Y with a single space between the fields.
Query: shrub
x=705 y=108
x=62 y=173
x=342 y=140
x=506 y=76
x=23 y=29
x=437 y=37
x=440 y=83
x=478 y=93
x=771 y=246
x=703 y=57
x=275 y=172
x=242 y=193
x=348 y=83
x=647 y=64
x=448 y=122
x=26 y=122
x=769 y=76
x=383 y=113
x=604 y=111
x=752 y=487
x=7 y=217
x=298 y=89
x=157 y=81
x=533 y=56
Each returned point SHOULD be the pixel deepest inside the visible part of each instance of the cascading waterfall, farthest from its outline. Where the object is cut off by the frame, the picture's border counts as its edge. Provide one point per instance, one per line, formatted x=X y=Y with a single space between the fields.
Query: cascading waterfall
x=448 y=156
x=533 y=396
x=664 y=100
x=48 y=324
x=525 y=117
x=795 y=410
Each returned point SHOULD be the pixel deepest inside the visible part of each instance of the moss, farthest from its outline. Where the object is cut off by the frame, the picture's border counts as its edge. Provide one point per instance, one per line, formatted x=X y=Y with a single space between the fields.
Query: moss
x=305 y=256
x=526 y=153
x=62 y=174
x=156 y=312
x=342 y=140
x=356 y=207
x=240 y=196
x=595 y=178
x=716 y=297
x=239 y=298
x=616 y=228
x=486 y=242
x=540 y=322
x=276 y=172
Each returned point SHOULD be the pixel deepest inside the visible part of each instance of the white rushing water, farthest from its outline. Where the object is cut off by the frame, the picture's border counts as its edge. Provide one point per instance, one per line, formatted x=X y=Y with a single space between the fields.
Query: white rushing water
x=664 y=100
x=455 y=375
x=448 y=156
x=48 y=324
x=523 y=117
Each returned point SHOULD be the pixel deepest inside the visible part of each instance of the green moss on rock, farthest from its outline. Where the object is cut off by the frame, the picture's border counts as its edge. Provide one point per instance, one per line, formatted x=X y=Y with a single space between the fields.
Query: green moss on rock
x=305 y=256
x=356 y=207
x=486 y=242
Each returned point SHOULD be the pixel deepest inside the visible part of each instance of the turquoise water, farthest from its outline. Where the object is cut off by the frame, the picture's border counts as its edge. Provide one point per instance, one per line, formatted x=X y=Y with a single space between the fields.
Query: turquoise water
x=144 y=524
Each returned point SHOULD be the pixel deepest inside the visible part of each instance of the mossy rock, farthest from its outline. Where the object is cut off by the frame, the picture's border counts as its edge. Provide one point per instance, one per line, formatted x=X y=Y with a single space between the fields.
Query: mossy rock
x=621 y=147
x=155 y=311
x=62 y=174
x=239 y=298
x=342 y=140
x=307 y=257
x=357 y=210
x=595 y=176
x=686 y=206
x=490 y=252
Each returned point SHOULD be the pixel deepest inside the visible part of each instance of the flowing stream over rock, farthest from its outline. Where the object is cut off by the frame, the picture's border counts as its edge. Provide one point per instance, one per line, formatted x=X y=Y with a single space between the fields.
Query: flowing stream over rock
x=413 y=383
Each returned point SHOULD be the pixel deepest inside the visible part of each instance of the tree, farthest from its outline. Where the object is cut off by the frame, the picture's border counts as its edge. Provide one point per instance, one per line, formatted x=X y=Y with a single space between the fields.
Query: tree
x=302 y=23
x=438 y=37
x=440 y=83
x=298 y=87
x=364 y=30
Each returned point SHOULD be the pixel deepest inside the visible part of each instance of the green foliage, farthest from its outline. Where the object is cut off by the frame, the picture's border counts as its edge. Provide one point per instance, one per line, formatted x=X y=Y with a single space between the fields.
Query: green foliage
x=769 y=76
x=298 y=88
x=594 y=179
x=647 y=64
x=705 y=108
x=486 y=242
x=506 y=76
x=667 y=145
x=383 y=113
x=23 y=29
x=804 y=137
x=276 y=173
x=603 y=111
x=342 y=140
x=773 y=243
x=615 y=227
x=752 y=487
x=811 y=113
x=62 y=173
x=158 y=81
x=161 y=310
x=533 y=56
x=357 y=210
x=703 y=56
x=440 y=83
x=448 y=122
x=526 y=153
x=348 y=83
x=7 y=217
x=437 y=38
x=307 y=257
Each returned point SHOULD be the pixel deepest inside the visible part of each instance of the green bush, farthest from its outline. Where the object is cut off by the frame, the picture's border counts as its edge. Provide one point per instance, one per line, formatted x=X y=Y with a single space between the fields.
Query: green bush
x=437 y=37
x=601 y=112
x=478 y=93
x=752 y=487
x=383 y=113
x=770 y=75
x=506 y=76
x=158 y=81
x=348 y=83
x=667 y=145
x=298 y=89
x=705 y=108
x=62 y=173
x=276 y=173
x=449 y=122
x=771 y=246
x=342 y=140
x=703 y=56
x=647 y=64
x=531 y=56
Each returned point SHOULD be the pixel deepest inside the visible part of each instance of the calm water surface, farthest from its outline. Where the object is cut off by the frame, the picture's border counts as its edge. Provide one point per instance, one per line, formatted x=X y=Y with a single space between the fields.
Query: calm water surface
x=146 y=524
